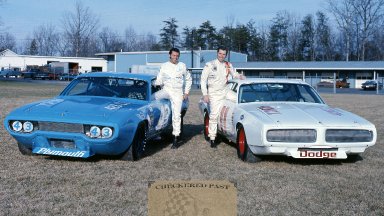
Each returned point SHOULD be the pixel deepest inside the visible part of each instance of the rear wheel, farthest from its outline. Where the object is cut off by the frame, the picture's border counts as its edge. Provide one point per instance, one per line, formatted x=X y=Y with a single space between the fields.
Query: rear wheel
x=24 y=150
x=137 y=148
x=243 y=150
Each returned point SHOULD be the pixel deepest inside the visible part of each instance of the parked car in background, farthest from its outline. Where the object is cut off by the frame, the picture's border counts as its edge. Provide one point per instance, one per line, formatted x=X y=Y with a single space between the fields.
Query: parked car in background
x=287 y=117
x=339 y=84
x=29 y=74
x=67 y=77
x=10 y=73
x=42 y=76
x=371 y=85
x=342 y=84
x=97 y=113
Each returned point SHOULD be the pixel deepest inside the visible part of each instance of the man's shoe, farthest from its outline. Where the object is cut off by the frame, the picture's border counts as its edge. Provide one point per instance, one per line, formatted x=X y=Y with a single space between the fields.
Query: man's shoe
x=213 y=144
x=174 y=144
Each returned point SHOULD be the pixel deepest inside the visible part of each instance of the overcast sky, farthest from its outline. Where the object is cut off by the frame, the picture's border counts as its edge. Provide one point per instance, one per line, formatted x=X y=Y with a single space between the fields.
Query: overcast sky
x=20 y=17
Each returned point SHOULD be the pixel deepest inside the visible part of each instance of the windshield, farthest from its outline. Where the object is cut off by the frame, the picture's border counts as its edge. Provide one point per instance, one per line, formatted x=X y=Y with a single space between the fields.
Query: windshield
x=108 y=87
x=258 y=92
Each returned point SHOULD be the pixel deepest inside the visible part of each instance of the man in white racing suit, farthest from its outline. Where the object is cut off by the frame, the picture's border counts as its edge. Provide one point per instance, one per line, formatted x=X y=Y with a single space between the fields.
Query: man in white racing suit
x=213 y=82
x=173 y=76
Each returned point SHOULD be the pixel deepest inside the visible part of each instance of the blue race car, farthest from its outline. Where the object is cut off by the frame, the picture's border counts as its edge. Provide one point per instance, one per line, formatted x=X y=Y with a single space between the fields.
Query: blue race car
x=97 y=113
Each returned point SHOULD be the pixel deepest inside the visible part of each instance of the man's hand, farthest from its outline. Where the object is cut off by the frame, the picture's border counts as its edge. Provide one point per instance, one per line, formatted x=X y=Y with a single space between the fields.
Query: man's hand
x=242 y=77
x=206 y=98
x=185 y=97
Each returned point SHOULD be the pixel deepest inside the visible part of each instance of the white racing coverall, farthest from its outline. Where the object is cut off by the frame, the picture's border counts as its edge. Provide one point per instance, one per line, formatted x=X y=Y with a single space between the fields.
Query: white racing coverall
x=215 y=76
x=172 y=77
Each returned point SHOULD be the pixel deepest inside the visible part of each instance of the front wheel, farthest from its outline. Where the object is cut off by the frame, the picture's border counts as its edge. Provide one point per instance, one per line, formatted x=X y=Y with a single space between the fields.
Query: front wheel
x=137 y=148
x=243 y=150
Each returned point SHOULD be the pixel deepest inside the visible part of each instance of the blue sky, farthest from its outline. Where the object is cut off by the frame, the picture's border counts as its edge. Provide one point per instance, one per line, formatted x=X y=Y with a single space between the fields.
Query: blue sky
x=20 y=17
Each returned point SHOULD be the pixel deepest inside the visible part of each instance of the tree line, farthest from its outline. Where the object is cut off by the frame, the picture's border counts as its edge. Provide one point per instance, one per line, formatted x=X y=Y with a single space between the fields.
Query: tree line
x=355 y=34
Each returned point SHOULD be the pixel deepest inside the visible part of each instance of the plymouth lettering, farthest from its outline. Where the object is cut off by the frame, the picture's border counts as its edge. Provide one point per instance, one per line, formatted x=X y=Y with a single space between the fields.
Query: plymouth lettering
x=47 y=151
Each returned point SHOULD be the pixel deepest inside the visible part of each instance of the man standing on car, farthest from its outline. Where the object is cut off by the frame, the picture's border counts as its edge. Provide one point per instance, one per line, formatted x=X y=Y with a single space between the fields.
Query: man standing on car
x=176 y=82
x=214 y=78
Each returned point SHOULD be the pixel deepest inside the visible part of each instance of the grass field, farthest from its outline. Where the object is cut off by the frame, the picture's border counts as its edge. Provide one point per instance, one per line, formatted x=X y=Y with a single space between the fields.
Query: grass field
x=42 y=185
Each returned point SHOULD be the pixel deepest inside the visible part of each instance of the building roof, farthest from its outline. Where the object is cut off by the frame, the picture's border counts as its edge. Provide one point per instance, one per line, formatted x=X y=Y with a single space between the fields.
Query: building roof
x=311 y=65
x=10 y=53
x=155 y=52
x=7 y=52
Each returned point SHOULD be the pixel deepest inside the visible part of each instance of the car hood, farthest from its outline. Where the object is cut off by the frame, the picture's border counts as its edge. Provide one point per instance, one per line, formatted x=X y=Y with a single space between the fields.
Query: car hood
x=304 y=114
x=78 y=109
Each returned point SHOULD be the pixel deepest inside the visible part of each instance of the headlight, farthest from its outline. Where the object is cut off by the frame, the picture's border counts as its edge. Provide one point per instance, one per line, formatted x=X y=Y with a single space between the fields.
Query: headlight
x=17 y=126
x=348 y=135
x=292 y=135
x=94 y=132
x=106 y=132
x=23 y=126
x=98 y=131
x=28 y=127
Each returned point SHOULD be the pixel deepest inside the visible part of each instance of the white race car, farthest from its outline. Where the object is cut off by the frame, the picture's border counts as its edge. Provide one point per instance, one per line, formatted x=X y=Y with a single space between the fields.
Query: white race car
x=287 y=117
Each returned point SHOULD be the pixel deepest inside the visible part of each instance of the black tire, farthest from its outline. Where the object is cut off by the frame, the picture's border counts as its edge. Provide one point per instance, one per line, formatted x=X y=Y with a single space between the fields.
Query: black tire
x=24 y=150
x=352 y=158
x=243 y=151
x=137 y=149
x=206 y=125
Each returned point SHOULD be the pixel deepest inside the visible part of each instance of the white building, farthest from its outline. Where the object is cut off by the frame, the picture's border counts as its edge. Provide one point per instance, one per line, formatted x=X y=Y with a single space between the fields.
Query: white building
x=13 y=61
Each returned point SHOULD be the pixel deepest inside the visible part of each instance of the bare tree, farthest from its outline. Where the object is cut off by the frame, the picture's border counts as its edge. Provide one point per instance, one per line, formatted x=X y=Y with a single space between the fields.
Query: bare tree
x=46 y=38
x=293 y=37
x=146 y=42
x=7 y=41
x=368 y=13
x=130 y=39
x=79 y=27
x=344 y=14
x=110 y=41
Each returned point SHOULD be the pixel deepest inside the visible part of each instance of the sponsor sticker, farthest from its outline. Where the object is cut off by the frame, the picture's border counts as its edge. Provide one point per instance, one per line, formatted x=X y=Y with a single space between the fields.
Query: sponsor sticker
x=269 y=110
x=115 y=106
x=332 y=111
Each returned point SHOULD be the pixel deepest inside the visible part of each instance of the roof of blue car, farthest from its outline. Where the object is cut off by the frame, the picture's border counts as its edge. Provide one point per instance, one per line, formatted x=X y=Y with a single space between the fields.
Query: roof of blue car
x=147 y=77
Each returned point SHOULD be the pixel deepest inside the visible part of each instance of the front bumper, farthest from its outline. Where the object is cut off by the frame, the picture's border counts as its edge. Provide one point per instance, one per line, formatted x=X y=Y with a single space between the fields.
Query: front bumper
x=325 y=152
x=72 y=145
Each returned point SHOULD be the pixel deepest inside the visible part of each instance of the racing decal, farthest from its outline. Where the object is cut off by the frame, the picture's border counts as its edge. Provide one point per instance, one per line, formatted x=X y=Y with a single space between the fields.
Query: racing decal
x=115 y=106
x=56 y=152
x=223 y=118
x=50 y=102
x=141 y=115
x=226 y=120
x=164 y=117
x=269 y=110
x=332 y=111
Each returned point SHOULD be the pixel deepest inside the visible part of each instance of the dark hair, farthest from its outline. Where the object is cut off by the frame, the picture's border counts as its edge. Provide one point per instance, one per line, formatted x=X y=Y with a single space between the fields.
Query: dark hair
x=174 y=50
x=222 y=48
